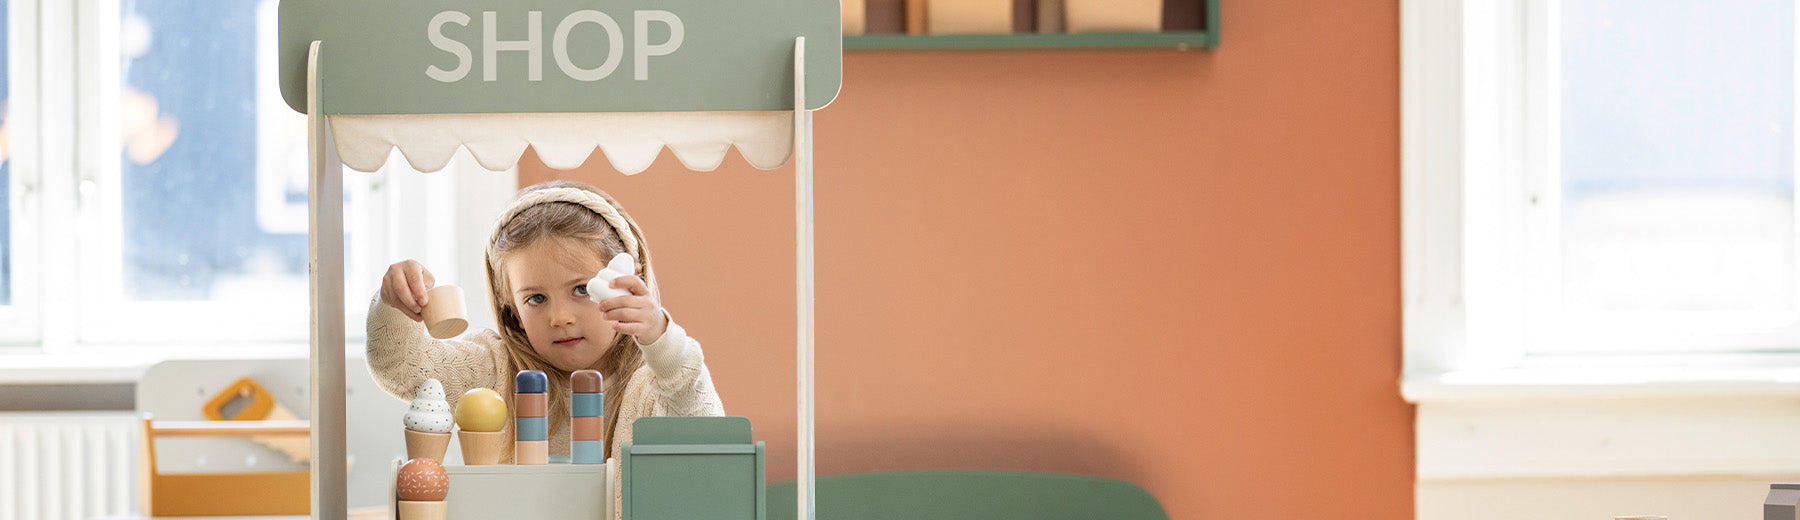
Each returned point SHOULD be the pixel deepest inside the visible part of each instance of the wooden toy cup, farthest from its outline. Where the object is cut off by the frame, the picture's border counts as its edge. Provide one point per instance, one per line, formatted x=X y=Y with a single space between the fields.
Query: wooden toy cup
x=427 y=445
x=445 y=316
x=481 y=448
x=419 y=510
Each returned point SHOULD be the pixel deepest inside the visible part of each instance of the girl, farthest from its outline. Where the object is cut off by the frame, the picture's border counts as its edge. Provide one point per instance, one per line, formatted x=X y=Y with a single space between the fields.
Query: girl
x=543 y=251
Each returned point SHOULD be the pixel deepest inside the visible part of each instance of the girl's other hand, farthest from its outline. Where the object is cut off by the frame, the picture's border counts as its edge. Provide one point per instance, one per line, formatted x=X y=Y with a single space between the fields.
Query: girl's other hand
x=636 y=314
x=405 y=287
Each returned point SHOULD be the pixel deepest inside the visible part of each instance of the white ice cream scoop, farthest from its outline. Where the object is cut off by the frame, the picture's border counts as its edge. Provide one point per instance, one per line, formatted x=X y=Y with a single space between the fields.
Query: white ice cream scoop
x=599 y=288
x=430 y=412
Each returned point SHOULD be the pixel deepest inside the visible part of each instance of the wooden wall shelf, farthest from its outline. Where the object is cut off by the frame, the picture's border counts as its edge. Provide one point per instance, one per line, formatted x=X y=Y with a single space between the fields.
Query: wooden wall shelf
x=1193 y=27
x=1183 y=40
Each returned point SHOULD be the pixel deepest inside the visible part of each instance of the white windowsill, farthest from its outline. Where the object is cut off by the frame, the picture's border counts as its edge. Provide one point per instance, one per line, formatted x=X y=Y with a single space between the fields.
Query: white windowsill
x=1674 y=416
x=1779 y=377
x=104 y=364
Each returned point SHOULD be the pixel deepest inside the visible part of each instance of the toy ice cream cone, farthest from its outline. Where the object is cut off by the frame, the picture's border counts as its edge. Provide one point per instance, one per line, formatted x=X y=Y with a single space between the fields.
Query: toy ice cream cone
x=428 y=423
x=481 y=413
x=422 y=510
x=422 y=486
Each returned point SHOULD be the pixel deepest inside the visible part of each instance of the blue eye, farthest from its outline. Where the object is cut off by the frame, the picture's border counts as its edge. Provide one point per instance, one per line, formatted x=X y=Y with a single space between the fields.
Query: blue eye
x=534 y=299
x=581 y=290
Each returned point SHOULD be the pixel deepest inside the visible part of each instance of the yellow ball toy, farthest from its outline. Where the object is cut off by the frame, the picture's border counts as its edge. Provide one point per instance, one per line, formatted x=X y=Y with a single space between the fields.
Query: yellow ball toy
x=481 y=410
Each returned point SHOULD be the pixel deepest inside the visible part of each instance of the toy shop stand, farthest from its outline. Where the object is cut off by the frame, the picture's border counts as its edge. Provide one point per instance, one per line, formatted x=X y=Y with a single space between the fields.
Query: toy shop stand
x=562 y=77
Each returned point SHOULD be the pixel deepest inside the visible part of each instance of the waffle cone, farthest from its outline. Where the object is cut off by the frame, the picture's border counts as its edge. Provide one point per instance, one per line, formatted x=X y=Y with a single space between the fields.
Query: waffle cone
x=426 y=444
x=481 y=448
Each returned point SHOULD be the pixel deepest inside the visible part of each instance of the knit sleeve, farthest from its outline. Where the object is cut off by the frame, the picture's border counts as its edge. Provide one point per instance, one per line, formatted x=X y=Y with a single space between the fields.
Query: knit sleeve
x=684 y=387
x=402 y=355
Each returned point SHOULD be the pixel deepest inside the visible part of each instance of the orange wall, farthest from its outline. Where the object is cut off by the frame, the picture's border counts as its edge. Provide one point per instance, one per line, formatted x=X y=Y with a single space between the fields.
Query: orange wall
x=1179 y=269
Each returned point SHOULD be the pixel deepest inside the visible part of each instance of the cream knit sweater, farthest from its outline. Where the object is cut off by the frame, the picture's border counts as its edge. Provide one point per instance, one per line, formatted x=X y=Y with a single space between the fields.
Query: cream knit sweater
x=402 y=355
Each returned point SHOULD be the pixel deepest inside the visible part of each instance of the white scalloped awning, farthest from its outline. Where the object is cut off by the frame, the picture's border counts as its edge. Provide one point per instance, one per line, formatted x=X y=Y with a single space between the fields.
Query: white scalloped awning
x=631 y=141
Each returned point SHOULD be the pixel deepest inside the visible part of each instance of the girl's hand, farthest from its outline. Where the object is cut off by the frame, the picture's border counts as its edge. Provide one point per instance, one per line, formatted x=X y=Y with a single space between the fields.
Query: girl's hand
x=636 y=314
x=405 y=287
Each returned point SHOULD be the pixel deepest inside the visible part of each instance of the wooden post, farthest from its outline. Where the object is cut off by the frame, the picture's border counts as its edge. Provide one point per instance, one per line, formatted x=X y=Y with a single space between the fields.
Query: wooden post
x=803 y=280
x=325 y=248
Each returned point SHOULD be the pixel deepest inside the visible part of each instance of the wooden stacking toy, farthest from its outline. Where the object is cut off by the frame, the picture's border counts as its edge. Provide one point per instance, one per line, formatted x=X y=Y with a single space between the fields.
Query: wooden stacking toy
x=587 y=410
x=531 y=423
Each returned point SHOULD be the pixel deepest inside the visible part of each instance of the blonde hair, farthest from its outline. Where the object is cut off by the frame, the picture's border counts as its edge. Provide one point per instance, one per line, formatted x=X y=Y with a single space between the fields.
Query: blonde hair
x=568 y=211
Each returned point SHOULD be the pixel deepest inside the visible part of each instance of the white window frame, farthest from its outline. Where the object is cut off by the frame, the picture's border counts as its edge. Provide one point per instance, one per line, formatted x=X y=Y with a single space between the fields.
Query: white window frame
x=66 y=229
x=1458 y=121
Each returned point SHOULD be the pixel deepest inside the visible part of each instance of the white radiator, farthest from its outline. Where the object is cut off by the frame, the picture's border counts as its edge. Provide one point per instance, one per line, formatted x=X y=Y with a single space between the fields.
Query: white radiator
x=67 y=465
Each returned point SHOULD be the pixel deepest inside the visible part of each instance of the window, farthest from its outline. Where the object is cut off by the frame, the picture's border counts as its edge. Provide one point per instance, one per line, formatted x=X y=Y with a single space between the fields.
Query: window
x=154 y=183
x=1599 y=181
x=1597 y=251
x=1671 y=206
x=186 y=179
x=18 y=322
x=153 y=193
x=191 y=189
x=6 y=247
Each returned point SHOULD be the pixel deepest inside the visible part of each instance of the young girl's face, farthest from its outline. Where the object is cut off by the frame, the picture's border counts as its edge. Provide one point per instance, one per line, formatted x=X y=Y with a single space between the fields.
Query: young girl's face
x=549 y=290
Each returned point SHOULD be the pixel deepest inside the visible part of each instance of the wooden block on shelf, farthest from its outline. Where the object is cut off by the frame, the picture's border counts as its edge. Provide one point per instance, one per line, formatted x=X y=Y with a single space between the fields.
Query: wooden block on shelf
x=915 y=16
x=968 y=16
x=855 y=16
x=884 y=17
x=1112 y=15
x=587 y=428
x=1024 y=17
x=1184 y=15
x=527 y=453
x=1049 y=16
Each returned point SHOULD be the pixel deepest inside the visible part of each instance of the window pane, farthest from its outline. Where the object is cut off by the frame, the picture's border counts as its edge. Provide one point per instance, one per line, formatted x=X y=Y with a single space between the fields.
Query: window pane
x=1677 y=157
x=213 y=175
x=6 y=245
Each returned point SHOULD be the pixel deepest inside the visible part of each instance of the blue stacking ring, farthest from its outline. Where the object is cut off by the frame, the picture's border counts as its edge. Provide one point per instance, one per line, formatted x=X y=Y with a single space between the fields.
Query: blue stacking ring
x=531 y=382
x=532 y=429
x=588 y=405
x=587 y=452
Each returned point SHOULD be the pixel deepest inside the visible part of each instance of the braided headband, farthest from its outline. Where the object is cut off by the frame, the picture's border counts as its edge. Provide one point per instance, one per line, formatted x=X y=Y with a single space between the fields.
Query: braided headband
x=586 y=199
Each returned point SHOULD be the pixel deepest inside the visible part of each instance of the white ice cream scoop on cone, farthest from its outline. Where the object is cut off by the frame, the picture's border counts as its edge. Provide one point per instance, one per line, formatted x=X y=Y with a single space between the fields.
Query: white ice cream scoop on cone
x=428 y=423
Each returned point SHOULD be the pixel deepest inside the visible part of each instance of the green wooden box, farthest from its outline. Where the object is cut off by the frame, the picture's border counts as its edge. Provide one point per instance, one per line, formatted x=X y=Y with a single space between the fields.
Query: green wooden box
x=698 y=468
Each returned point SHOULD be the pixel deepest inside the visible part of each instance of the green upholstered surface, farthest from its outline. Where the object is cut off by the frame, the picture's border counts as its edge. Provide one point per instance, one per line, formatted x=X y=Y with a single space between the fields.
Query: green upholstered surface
x=970 y=495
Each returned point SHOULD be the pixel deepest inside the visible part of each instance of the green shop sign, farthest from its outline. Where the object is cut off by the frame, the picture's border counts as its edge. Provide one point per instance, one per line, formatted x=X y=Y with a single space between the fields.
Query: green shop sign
x=527 y=56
